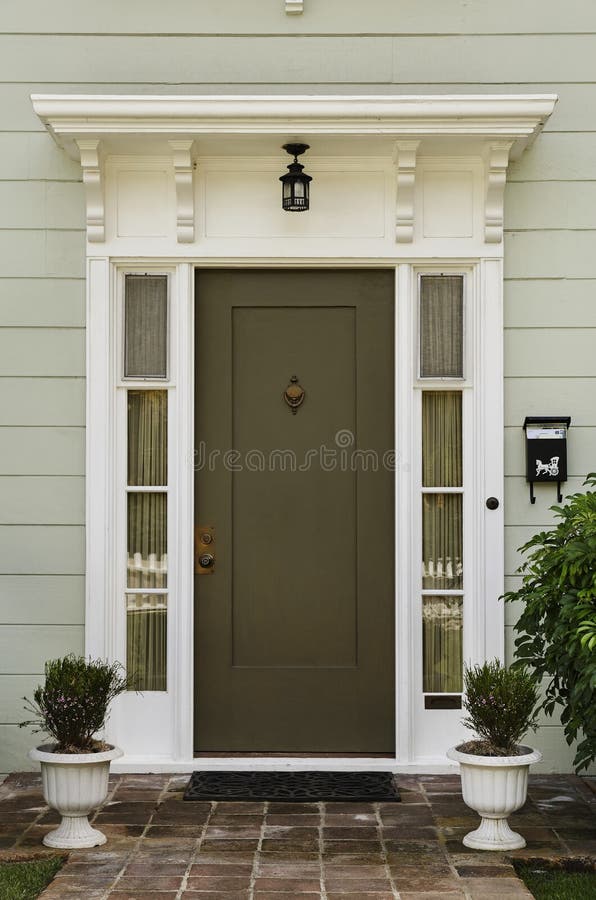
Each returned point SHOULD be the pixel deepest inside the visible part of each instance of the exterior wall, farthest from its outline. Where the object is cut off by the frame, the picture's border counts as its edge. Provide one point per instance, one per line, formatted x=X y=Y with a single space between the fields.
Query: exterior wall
x=442 y=46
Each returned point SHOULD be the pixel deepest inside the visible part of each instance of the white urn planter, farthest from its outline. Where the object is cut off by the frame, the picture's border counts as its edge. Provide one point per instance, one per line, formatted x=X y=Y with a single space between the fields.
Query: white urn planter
x=495 y=787
x=74 y=784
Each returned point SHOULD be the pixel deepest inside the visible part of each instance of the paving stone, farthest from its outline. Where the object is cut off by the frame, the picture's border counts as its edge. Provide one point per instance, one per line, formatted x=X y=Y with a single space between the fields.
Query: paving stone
x=219 y=883
x=350 y=808
x=243 y=809
x=173 y=833
x=230 y=846
x=158 y=882
x=360 y=833
x=336 y=870
x=289 y=869
x=149 y=868
x=486 y=871
x=293 y=808
x=212 y=870
x=288 y=885
x=237 y=821
x=212 y=895
x=281 y=895
x=219 y=857
x=505 y=887
x=230 y=833
x=437 y=895
x=425 y=881
x=142 y=895
x=361 y=895
x=350 y=820
x=351 y=885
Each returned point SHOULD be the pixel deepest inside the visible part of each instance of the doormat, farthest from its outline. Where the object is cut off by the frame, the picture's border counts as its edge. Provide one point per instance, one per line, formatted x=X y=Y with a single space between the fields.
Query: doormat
x=294 y=787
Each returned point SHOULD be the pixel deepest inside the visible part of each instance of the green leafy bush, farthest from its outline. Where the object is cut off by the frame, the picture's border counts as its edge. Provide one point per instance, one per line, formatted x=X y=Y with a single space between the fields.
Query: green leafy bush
x=73 y=703
x=557 y=626
x=500 y=704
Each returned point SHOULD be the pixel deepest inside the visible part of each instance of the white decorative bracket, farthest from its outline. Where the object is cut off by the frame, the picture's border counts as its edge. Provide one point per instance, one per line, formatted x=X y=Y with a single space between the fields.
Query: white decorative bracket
x=294 y=7
x=185 y=200
x=404 y=157
x=92 y=164
x=496 y=159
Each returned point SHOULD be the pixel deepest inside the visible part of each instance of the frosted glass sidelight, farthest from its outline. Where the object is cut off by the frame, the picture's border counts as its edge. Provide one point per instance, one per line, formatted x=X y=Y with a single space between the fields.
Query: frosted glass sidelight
x=146 y=326
x=441 y=326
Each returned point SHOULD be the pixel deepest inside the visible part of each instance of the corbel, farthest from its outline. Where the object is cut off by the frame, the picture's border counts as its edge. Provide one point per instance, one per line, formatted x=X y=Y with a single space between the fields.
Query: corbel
x=92 y=165
x=185 y=200
x=404 y=156
x=496 y=157
x=294 y=7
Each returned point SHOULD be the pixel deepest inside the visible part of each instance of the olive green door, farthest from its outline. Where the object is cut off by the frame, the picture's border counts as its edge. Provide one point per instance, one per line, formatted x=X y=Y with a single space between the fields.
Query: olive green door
x=294 y=639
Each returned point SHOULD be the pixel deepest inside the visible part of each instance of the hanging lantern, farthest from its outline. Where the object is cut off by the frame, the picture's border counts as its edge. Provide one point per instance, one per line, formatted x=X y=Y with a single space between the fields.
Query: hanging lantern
x=295 y=184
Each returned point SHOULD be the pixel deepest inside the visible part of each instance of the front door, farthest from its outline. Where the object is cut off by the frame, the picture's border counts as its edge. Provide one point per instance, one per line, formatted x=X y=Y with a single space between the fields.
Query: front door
x=294 y=638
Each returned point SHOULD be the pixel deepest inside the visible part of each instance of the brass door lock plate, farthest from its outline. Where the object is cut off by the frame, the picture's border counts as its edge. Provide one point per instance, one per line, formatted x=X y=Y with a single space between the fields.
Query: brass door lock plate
x=204 y=550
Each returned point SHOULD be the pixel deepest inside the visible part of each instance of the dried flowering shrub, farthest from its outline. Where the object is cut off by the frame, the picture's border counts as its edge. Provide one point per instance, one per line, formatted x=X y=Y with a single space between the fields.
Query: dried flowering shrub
x=501 y=705
x=72 y=705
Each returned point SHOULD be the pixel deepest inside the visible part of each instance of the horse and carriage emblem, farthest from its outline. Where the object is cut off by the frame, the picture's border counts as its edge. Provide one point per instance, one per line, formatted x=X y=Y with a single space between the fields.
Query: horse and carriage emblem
x=548 y=468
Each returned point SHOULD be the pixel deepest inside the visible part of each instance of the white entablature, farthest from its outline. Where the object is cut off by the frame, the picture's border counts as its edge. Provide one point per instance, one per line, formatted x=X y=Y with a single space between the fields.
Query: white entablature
x=403 y=130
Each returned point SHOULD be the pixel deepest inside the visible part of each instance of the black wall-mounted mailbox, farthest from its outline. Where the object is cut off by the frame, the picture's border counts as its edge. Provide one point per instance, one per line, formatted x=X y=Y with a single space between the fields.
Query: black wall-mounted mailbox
x=546 y=451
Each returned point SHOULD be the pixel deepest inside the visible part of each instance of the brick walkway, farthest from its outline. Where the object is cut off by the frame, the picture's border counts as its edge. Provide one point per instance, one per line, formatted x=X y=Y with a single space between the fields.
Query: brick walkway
x=161 y=848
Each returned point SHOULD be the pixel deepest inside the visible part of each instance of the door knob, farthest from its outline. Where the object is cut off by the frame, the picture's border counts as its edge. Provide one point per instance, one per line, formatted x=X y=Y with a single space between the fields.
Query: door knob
x=206 y=560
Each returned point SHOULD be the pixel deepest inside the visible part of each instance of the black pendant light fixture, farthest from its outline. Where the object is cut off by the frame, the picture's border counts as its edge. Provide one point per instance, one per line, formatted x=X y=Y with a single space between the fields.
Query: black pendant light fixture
x=295 y=184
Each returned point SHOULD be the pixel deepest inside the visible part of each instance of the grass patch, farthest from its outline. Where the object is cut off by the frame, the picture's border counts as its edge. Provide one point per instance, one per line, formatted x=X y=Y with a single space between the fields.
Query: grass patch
x=566 y=880
x=26 y=880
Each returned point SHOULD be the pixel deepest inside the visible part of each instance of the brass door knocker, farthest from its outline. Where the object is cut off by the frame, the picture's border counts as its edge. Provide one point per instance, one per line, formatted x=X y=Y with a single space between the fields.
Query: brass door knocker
x=294 y=394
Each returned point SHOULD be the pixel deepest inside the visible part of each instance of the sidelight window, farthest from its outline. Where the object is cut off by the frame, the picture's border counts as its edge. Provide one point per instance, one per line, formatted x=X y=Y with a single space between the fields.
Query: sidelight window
x=145 y=360
x=441 y=354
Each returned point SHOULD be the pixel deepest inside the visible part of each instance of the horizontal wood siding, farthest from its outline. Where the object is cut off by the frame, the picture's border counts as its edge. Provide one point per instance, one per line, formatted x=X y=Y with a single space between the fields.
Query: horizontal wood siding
x=337 y=46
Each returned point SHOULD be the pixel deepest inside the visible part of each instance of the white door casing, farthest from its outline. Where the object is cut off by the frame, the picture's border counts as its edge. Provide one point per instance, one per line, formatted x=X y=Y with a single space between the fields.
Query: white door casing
x=411 y=183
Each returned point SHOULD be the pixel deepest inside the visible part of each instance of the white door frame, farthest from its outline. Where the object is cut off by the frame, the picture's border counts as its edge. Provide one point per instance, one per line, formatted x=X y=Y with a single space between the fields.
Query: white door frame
x=170 y=715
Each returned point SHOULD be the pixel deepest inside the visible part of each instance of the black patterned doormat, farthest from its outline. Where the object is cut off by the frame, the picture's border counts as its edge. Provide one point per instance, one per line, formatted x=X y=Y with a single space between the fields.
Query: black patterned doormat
x=294 y=787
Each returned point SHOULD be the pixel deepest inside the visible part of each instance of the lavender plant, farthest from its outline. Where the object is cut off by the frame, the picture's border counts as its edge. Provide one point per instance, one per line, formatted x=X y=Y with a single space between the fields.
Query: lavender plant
x=501 y=706
x=72 y=705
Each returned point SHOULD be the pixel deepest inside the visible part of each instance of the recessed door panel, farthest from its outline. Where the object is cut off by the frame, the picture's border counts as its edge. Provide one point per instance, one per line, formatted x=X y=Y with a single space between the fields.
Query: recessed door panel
x=294 y=431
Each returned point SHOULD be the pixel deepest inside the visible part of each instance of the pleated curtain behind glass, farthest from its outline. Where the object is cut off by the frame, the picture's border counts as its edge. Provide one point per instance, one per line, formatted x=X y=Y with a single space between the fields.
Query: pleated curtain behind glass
x=147 y=539
x=442 y=537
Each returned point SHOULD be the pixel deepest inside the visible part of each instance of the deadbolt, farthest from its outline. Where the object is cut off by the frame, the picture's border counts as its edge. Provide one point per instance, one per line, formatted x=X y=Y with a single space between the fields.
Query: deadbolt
x=206 y=538
x=206 y=560
x=492 y=503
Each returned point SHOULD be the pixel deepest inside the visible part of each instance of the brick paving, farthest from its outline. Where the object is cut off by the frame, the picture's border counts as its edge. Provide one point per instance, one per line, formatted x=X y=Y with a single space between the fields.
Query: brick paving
x=160 y=848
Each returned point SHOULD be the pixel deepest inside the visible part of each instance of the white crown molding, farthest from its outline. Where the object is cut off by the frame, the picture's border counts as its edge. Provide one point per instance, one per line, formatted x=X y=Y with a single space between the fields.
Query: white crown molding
x=122 y=119
x=294 y=7
x=92 y=164
x=496 y=160
x=404 y=157
x=183 y=179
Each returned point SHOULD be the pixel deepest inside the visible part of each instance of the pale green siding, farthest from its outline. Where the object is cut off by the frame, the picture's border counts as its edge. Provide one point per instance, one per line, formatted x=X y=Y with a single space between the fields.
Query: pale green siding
x=337 y=46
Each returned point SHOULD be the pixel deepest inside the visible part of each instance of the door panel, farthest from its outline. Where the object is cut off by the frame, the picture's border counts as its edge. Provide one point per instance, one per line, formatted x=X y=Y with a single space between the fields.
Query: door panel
x=294 y=627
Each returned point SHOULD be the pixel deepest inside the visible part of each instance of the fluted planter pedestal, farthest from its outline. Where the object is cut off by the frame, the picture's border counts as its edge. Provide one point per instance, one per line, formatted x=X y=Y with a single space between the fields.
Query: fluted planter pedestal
x=74 y=784
x=494 y=786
